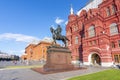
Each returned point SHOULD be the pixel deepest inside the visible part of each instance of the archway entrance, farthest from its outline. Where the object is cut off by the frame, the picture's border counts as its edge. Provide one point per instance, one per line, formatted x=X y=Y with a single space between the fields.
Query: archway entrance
x=95 y=59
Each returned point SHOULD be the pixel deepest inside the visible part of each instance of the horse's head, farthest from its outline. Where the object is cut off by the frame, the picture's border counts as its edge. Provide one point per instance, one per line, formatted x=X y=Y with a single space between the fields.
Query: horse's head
x=52 y=30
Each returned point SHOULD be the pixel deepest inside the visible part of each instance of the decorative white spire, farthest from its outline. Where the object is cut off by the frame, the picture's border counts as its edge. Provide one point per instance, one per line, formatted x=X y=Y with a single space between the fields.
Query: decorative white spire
x=71 y=10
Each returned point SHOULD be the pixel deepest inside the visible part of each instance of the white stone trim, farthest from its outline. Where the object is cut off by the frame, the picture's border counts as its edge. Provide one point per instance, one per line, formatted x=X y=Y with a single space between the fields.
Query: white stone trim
x=86 y=63
x=106 y=64
x=75 y=62
x=103 y=64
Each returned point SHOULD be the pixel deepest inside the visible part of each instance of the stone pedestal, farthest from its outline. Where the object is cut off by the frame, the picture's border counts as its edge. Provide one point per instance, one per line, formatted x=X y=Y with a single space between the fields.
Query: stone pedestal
x=58 y=58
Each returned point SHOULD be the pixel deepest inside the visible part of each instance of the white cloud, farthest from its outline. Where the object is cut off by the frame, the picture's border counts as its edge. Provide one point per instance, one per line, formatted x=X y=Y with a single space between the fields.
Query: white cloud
x=53 y=26
x=66 y=22
x=16 y=52
x=18 y=37
x=58 y=20
x=22 y=51
x=47 y=39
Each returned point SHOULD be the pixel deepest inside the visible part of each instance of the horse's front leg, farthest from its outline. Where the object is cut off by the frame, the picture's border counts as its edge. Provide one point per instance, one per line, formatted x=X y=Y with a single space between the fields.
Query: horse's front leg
x=65 y=44
x=54 y=41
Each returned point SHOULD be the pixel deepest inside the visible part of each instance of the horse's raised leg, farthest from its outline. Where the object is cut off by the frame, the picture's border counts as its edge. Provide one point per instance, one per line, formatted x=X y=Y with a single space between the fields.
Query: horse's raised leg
x=64 y=41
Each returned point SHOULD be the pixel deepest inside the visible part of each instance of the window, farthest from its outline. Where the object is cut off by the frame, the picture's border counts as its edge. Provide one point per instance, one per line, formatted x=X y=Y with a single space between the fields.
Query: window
x=90 y=43
x=94 y=42
x=75 y=28
x=76 y=50
x=43 y=51
x=108 y=11
x=113 y=9
x=84 y=44
x=119 y=43
x=117 y=58
x=113 y=45
x=91 y=31
x=113 y=29
x=76 y=40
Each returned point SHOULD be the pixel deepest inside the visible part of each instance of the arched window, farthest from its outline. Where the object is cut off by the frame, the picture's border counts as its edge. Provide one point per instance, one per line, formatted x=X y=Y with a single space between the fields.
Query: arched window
x=119 y=43
x=113 y=45
x=113 y=29
x=91 y=31
x=113 y=9
x=75 y=28
x=108 y=11
x=76 y=40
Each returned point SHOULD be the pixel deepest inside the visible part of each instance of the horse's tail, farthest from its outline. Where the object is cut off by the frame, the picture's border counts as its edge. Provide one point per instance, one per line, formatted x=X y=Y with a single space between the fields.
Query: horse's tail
x=67 y=38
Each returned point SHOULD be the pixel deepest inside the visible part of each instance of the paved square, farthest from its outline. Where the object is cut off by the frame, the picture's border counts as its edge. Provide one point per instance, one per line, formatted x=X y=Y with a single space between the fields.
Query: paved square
x=28 y=74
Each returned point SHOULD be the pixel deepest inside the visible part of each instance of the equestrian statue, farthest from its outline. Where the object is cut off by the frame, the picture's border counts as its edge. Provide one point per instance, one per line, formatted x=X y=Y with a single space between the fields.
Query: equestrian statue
x=56 y=35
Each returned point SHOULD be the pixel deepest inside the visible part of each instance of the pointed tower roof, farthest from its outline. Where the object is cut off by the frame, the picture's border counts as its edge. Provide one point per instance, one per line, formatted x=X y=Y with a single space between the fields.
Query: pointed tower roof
x=71 y=10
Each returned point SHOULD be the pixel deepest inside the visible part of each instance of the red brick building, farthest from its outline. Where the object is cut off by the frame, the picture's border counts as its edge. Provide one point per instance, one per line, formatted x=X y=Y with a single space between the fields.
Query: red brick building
x=94 y=33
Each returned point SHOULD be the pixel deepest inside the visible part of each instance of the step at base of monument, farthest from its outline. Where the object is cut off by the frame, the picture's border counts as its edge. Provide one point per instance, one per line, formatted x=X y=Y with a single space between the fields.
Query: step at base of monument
x=58 y=67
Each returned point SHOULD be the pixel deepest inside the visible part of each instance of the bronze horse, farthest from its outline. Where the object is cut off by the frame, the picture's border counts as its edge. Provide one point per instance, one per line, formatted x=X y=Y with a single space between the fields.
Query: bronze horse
x=56 y=35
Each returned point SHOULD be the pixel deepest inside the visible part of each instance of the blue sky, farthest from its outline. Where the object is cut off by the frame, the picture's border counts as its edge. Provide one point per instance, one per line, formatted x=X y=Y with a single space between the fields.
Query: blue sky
x=22 y=21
